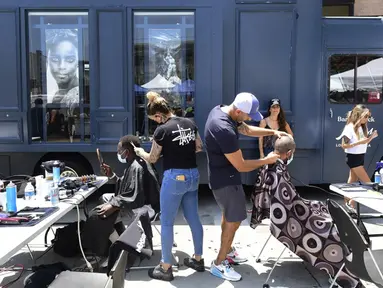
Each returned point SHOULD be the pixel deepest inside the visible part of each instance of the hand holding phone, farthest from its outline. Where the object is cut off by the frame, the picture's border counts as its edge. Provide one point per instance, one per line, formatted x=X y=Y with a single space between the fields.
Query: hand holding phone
x=99 y=156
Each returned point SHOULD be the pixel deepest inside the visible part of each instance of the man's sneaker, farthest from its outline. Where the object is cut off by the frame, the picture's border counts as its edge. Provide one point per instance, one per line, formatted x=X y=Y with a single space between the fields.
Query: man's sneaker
x=194 y=264
x=160 y=274
x=224 y=271
x=234 y=258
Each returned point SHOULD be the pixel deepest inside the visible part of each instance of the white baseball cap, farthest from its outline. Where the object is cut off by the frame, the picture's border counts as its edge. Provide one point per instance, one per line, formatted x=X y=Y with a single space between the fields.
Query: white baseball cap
x=249 y=104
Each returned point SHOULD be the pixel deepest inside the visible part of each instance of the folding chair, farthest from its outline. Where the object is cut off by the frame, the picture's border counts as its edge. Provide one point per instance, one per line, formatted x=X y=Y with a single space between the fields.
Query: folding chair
x=114 y=279
x=351 y=236
x=152 y=220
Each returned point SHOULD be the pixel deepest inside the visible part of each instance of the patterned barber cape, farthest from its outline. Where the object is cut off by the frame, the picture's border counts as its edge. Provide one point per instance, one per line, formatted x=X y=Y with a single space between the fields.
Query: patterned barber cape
x=304 y=226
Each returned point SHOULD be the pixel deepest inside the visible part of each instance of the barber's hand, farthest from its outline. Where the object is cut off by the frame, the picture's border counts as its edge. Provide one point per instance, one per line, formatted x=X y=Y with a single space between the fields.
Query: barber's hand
x=105 y=210
x=279 y=134
x=139 y=151
x=106 y=170
x=271 y=158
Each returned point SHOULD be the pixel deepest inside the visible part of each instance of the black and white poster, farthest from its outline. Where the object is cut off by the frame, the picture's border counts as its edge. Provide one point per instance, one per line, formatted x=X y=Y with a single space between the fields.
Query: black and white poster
x=62 y=77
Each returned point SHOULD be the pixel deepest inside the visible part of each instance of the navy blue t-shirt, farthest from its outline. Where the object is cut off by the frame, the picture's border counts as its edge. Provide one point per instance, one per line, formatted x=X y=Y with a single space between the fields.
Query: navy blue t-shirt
x=221 y=137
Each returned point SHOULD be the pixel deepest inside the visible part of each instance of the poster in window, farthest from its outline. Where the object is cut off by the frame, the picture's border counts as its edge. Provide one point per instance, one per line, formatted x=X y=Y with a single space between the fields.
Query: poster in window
x=164 y=63
x=62 y=75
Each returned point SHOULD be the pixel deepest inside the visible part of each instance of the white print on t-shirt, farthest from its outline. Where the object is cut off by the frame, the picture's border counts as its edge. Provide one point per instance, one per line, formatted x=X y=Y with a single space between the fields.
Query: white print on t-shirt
x=185 y=135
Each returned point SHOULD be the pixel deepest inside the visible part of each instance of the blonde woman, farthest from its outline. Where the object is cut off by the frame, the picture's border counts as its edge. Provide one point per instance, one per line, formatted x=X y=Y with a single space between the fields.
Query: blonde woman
x=355 y=140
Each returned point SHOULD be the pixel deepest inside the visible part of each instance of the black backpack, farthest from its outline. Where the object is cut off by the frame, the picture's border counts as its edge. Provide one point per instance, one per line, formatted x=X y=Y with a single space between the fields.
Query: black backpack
x=66 y=242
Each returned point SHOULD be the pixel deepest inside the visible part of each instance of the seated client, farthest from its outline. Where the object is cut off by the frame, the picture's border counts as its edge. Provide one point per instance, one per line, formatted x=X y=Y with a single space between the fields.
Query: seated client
x=304 y=226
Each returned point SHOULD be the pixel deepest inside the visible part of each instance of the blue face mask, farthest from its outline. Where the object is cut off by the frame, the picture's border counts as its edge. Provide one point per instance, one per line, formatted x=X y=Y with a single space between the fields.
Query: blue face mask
x=291 y=159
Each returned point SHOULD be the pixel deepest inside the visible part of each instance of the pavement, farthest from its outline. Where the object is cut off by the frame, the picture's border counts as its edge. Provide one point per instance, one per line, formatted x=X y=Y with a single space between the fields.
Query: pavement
x=290 y=271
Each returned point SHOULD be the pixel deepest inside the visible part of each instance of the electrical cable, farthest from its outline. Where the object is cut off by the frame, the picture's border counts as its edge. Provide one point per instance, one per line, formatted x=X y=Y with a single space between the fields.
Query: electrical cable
x=316 y=187
x=90 y=267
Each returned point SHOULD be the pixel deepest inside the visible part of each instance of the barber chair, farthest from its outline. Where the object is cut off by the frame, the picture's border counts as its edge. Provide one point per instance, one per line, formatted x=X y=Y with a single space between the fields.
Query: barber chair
x=351 y=236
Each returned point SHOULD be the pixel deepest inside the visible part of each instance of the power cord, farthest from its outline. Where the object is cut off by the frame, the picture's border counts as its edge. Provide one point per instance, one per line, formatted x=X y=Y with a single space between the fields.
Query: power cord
x=316 y=187
x=90 y=267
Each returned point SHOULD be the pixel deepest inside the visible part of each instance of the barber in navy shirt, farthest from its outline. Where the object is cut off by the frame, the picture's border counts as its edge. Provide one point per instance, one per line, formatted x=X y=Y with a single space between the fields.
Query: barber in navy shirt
x=225 y=163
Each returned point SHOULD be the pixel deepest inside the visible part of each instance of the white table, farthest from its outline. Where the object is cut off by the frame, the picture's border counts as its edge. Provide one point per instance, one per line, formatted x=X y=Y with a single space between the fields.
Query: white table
x=12 y=239
x=362 y=195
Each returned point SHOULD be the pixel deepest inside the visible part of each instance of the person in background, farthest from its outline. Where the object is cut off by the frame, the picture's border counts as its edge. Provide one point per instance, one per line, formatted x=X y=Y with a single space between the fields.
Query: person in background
x=178 y=140
x=225 y=164
x=138 y=187
x=355 y=140
x=275 y=120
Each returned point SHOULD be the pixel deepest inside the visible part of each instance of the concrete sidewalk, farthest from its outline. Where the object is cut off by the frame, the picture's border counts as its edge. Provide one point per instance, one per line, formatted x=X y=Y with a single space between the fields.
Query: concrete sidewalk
x=290 y=272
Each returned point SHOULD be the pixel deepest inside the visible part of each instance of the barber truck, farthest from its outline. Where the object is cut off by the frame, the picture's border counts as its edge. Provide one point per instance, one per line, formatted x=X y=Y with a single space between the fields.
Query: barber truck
x=74 y=75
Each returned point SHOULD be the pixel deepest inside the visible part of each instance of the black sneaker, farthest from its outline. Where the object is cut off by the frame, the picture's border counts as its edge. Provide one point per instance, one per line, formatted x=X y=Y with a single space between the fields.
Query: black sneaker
x=160 y=274
x=194 y=264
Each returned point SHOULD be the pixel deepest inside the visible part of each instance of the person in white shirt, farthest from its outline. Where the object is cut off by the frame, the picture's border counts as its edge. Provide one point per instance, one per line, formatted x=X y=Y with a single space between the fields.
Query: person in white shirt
x=355 y=138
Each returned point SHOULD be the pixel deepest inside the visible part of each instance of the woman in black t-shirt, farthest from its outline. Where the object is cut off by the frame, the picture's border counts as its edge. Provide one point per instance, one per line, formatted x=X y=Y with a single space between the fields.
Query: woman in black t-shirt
x=178 y=140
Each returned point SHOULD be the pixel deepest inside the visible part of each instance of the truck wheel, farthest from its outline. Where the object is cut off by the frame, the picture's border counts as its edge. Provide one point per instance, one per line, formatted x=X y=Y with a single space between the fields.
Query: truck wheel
x=73 y=168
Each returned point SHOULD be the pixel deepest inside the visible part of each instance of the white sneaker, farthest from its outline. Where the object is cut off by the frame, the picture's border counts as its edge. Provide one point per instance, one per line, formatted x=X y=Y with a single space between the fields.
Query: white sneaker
x=235 y=258
x=224 y=271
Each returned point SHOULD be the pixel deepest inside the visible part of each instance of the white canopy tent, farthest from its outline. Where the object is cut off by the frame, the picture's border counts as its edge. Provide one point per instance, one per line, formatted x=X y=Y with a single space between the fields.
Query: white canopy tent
x=158 y=83
x=370 y=77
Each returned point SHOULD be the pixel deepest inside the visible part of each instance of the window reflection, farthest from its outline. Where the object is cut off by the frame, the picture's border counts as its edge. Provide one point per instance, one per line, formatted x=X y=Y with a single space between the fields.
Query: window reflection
x=356 y=79
x=164 y=62
x=59 y=76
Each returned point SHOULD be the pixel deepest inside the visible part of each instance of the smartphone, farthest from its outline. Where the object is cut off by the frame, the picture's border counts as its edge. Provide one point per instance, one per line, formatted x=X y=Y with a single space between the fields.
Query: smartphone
x=99 y=156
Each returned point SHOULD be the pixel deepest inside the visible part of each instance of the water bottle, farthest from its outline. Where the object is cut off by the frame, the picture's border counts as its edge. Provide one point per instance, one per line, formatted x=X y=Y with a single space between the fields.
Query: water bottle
x=54 y=194
x=381 y=175
x=377 y=178
x=29 y=192
x=11 y=193
x=56 y=172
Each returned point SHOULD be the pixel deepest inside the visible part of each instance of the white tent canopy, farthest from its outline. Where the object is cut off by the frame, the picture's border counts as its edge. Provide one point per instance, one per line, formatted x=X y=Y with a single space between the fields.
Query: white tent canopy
x=370 y=77
x=158 y=82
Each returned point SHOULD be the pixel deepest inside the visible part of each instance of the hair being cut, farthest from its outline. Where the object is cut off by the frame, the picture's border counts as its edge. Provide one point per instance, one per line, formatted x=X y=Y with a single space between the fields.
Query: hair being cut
x=284 y=144
x=354 y=116
x=125 y=142
x=157 y=104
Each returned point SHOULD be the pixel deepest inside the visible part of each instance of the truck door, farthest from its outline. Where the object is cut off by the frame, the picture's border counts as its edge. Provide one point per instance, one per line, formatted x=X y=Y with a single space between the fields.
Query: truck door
x=351 y=79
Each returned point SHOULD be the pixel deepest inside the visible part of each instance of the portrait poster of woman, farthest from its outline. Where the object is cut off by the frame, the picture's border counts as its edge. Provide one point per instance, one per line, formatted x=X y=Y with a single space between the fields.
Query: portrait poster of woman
x=62 y=75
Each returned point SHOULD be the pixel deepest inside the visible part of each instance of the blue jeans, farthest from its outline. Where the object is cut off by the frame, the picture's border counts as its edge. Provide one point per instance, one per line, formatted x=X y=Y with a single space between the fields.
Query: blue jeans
x=175 y=193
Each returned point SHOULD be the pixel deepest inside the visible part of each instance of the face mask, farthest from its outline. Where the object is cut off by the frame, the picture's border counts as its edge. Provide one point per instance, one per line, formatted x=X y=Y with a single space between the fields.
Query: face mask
x=122 y=160
x=291 y=159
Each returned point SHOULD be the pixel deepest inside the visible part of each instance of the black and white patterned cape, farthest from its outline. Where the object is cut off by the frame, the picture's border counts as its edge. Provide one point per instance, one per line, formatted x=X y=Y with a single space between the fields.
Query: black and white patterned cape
x=304 y=226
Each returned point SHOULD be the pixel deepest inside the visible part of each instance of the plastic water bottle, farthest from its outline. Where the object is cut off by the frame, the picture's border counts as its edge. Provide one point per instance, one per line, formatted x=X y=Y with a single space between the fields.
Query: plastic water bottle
x=54 y=194
x=11 y=192
x=56 y=172
x=381 y=175
x=377 y=177
x=29 y=192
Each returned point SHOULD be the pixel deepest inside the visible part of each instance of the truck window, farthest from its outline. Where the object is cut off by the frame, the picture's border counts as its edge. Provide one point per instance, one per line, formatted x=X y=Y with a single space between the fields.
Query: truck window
x=357 y=8
x=163 y=62
x=355 y=79
x=59 y=77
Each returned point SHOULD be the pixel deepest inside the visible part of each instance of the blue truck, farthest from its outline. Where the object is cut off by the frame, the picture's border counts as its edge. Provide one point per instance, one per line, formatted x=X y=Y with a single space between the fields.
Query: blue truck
x=74 y=74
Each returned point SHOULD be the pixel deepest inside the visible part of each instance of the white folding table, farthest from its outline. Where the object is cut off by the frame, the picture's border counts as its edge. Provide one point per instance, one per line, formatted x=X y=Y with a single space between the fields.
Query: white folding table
x=14 y=238
x=364 y=195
